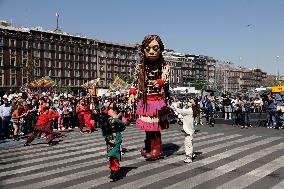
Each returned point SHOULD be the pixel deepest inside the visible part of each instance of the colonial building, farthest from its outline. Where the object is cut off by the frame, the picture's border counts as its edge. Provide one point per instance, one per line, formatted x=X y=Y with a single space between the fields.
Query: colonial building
x=237 y=79
x=70 y=60
x=187 y=69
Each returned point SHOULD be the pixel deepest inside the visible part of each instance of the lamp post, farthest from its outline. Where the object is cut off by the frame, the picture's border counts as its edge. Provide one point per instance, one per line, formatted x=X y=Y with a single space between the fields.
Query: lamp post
x=277 y=66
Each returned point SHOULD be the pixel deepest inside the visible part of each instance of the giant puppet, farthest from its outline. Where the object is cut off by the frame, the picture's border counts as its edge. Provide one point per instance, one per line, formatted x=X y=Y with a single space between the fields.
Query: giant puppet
x=152 y=111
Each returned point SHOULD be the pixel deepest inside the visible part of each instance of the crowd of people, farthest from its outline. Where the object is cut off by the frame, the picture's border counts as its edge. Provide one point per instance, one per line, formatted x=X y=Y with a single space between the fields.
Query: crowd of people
x=238 y=109
x=19 y=112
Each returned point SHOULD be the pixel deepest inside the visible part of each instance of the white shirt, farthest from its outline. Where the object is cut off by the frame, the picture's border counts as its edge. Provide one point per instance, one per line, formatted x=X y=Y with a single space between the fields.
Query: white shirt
x=5 y=111
x=187 y=119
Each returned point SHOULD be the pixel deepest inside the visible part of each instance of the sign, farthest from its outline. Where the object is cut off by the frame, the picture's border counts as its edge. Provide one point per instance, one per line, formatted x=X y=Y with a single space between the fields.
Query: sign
x=277 y=89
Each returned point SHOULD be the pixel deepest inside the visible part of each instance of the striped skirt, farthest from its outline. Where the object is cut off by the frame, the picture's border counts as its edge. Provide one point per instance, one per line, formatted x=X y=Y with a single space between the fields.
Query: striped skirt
x=153 y=115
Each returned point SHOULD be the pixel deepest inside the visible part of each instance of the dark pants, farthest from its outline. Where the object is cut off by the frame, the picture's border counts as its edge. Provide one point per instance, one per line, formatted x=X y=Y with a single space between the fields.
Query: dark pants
x=81 y=121
x=41 y=129
x=6 y=129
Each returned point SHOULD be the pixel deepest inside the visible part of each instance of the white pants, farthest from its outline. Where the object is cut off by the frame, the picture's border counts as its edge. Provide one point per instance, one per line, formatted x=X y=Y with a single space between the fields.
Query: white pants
x=188 y=145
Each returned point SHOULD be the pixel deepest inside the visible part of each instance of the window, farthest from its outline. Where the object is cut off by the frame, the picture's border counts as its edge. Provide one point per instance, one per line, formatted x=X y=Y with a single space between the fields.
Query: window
x=76 y=65
x=13 y=62
x=58 y=64
x=67 y=64
x=101 y=68
x=47 y=63
x=25 y=61
x=76 y=73
x=46 y=46
x=25 y=53
x=13 y=80
x=1 y=60
x=57 y=73
x=95 y=66
x=77 y=82
x=25 y=44
x=36 y=45
x=93 y=59
x=67 y=81
x=37 y=62
x=67 y=73
x=47 y=71
x=37 y=72
x=46 y=54
x=94 y=75
x=86 y=74
x=12 y=52
x=12 y=43
x=1 y=77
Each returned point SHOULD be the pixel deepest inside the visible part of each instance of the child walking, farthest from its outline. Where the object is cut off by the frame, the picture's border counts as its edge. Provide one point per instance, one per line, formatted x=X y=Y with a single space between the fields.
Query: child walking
x=188 y=129
x=111 y=130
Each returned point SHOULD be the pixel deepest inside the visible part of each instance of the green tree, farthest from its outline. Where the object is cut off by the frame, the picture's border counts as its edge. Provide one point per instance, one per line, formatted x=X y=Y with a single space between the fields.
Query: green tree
x=199 y=85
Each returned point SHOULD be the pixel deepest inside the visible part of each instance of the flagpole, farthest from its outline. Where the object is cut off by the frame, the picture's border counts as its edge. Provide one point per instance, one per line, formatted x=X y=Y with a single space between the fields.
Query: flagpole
x=57 y=21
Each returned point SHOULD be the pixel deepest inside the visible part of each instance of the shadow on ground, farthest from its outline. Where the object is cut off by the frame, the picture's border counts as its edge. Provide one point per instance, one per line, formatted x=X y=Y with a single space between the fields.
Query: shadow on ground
x=125 y=170
x=170 y=148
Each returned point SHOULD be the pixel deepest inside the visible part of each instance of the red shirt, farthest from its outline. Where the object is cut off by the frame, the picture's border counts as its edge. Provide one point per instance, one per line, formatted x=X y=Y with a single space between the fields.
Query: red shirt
x=43 y=119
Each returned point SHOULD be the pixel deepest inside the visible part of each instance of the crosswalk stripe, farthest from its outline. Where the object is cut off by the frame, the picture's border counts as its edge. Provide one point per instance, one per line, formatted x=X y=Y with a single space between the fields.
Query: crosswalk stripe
x=103 y=180
x=33 y=167
x=76 y=175
x=94 y=149
x=201 y=178
x=103 y=160
x=91 y=163
x=171 y=172
x=77 y=146
x=278 y=186
x=65 y=142
x=253 y=176
x=77 y=150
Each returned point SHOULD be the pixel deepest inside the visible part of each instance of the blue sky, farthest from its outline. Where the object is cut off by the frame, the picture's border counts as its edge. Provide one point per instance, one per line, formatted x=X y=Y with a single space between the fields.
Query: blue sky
x=247 y=32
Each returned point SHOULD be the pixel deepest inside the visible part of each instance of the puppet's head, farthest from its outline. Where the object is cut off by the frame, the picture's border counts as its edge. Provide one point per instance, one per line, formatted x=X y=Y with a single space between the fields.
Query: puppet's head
x=152 y=47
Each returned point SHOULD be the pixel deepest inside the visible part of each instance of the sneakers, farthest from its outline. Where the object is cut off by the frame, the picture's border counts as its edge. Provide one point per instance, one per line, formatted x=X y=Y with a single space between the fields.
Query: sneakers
x=187 y=160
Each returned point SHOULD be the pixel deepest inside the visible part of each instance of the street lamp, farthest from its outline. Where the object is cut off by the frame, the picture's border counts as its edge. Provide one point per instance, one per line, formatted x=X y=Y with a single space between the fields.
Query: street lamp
x=277 y=66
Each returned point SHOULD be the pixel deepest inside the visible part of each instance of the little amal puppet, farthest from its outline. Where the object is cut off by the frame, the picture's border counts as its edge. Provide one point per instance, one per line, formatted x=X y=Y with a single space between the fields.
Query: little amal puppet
x=111 y=130
x=153 y=88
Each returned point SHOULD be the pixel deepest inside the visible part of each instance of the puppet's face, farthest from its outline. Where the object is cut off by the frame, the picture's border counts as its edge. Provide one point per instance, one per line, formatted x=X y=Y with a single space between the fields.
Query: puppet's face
x=152 y=51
